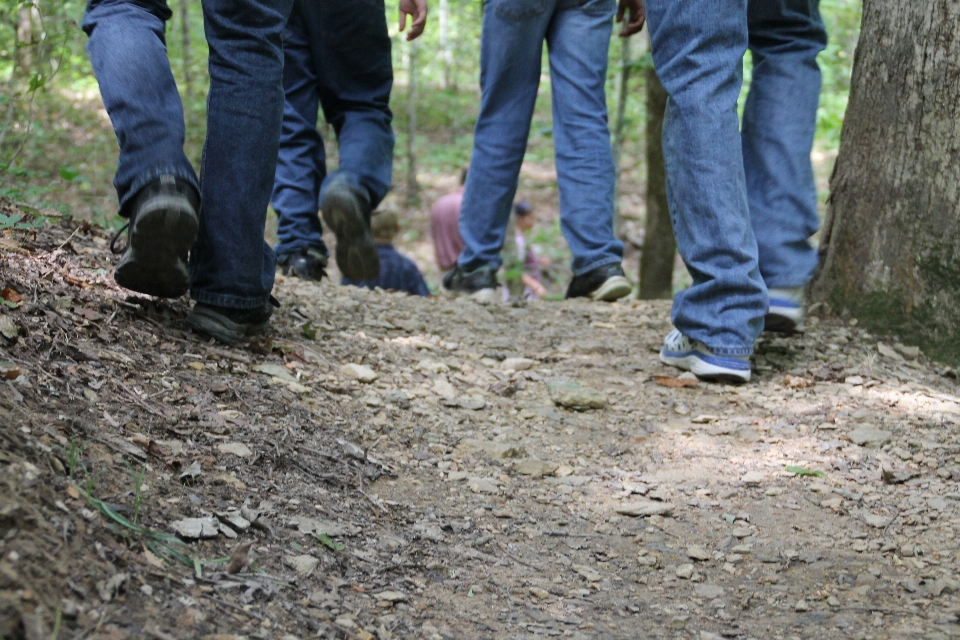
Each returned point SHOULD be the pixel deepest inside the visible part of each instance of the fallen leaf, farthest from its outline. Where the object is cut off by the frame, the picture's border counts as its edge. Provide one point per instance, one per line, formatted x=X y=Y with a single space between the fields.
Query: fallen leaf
x=674 y=383
x=239 y=558
x=10 y=295
x=8 y=328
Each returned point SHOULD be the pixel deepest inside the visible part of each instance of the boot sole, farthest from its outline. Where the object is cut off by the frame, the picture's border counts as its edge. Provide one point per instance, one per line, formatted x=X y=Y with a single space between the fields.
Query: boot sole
x=155 y=263
x=221 y=328
x=356 y=252
x=613 y=289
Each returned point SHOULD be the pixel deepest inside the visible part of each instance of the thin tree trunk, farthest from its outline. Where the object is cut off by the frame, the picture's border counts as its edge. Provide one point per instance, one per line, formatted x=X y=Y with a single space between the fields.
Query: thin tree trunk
x=619 y=126
x=659 y=246
x=891 y=244
x=413 y=187
x=445 y=49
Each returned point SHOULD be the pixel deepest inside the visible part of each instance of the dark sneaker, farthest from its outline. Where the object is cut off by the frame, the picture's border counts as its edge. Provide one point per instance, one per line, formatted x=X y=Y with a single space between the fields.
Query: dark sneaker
x=308 y=264
x=163 y=227
x=606 y=283
x=230 y=325
x=785 y=314
x=347 y=214
x=480 y=284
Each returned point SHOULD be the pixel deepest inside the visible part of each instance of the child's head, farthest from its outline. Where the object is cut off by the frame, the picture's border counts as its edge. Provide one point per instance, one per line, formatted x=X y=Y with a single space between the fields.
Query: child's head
x=385 y=225
x=524 y=213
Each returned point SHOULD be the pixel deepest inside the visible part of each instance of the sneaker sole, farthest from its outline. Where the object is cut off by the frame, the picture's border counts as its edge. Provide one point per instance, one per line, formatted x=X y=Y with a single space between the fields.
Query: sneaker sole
x=160 y=241
x=483 y=296
x=221 y=328
x=356 y=252
x=783 y=320
x=613 y=289
x=704 y=370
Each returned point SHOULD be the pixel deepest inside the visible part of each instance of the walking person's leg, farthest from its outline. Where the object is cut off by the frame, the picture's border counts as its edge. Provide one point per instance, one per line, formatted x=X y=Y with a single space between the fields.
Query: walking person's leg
x=698 y=49
x=579 y=44
x=355 y=75
x=156 y=185
x=231 y=267
x=511 y=47
x=779 y=122
x=301 y=163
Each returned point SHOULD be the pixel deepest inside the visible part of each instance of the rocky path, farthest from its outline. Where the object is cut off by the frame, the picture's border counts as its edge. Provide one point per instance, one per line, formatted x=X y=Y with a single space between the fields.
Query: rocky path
x=391 y=467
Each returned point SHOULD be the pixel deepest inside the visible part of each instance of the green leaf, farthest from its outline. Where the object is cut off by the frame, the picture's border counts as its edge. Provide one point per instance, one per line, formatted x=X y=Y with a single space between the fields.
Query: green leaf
x=329 y=542
x=803 y=471
x=68 y=174
x=309 y=331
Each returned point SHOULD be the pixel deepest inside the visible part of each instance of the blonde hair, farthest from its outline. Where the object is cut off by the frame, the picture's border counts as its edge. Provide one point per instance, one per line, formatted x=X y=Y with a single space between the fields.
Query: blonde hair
x=385 y=224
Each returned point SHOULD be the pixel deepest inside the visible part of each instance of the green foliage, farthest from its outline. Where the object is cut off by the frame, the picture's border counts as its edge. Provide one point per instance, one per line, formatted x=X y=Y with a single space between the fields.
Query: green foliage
x=803 y=471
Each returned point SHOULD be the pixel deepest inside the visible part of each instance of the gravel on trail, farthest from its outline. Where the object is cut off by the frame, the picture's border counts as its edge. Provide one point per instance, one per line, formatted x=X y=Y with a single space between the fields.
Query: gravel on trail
x=384 y=466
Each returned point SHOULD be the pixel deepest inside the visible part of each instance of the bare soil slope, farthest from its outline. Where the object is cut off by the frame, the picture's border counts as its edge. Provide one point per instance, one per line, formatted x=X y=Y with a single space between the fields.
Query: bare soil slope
x=437 y=487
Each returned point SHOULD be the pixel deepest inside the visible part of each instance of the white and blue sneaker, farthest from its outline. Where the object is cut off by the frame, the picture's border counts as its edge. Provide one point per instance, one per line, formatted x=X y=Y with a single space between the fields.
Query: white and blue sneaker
x=691 y=355
x=786 y=310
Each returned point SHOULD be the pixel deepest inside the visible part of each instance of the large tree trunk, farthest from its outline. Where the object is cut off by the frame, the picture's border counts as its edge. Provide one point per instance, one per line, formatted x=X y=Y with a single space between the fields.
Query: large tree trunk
x=413 y=187
x=891 y=243
x=659 y=246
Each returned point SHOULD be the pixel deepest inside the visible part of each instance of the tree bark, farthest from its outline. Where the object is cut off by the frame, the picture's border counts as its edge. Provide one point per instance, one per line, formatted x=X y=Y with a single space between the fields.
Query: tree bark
x=445 y=49
x=891 y=243
x=659 y=246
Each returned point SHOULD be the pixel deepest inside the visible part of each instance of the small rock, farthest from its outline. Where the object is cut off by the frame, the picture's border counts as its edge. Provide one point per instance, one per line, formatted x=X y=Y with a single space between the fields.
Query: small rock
x=741 y=532
x=801 y=606
x=876 y=521
x=889 y=353
x=705 y=419
x=538 y=593
x=588 y=573
x=910 y=353
x=359 y=372
x=318 y=526
x=753 y=477
x=642 y=508
x=192 y=472
x=391 y=596
x=708 y=591
x=832 y=503
x=535 y=468
x=577 y=397
x=937 y=504
x=696 y=552
x=483 y=485
x=304 y=564
x=235 y=448
x=196 y=528
x=493 y=449
x=518 y=364
x=685 y=571
x=869 y=437
x=854 y=380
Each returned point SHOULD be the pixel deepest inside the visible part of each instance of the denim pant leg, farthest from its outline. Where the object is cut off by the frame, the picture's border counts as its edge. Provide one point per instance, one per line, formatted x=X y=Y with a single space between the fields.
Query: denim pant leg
x=231 y=265
x=511 y=46
x=579 y=43
x=355 y=76
x=698 y=48
x=301 y=163
x=779 y=122
x=129 y=57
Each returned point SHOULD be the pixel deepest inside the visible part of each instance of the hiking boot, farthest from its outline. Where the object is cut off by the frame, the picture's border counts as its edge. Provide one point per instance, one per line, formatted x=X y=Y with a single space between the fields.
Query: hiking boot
x=785 y=314
x=307 y=264
x=162 y=229
x=606 y=283
x=479 y=284
x=347 y=214
x=230 y=325
x=692 y=355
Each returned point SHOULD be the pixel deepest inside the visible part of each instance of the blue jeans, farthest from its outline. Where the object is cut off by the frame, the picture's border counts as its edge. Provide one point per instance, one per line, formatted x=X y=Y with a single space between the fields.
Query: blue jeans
x=577 y=33
x=743 y=206
x=336 y=55
x=230 y=265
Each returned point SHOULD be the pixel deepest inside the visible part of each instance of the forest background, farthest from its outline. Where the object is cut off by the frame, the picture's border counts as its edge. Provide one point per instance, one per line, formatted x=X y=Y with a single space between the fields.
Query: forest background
x=58 y=151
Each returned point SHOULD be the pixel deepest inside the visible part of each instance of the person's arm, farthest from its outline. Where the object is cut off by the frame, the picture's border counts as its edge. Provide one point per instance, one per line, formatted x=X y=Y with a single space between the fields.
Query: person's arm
x=534 y=285
x=637 y=16
x=417 y=10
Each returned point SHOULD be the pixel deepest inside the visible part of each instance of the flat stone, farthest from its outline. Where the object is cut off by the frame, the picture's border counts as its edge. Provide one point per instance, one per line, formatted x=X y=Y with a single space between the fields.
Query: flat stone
x=235 y=448
x=518 y=364
x=869 y=437
x=535 y=468
x=753 y=477
x=696 y=552
x=708 y=591
x=876 y=521
x=588 y=573
x=685 y=571
x=910 y=353
x=196 y=528
x=495 y=450
x=303 y=564
x=391 y=596
x=887 y=352
x=574 y=396
x=318 y=526
x=643 y=508
x=359 y=372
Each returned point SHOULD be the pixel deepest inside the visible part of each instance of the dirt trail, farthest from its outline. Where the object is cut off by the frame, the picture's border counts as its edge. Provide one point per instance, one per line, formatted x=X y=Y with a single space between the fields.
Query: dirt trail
x=436 y=488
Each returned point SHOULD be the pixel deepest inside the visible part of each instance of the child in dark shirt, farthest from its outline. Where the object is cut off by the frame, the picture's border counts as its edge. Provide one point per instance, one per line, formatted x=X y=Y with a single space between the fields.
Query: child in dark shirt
x=397 y=272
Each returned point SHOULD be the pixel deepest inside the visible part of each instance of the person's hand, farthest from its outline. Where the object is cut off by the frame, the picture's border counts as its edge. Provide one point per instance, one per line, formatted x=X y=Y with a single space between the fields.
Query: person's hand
x=417 y=10
x=534 y=285
x=637 y=16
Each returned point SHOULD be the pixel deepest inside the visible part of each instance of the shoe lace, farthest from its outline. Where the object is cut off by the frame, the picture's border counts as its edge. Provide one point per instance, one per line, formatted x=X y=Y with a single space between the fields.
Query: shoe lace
x=116 y=236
